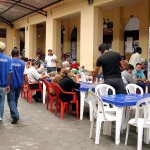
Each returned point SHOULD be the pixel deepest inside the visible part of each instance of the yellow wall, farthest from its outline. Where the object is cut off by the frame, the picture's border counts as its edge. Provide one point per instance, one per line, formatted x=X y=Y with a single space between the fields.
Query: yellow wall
x=9 y=38
x=41 y=30
x=120 y=16
x=89 y=22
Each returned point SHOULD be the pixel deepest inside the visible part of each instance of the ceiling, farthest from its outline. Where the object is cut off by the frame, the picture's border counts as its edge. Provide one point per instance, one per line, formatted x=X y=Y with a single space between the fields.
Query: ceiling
x=11 y=10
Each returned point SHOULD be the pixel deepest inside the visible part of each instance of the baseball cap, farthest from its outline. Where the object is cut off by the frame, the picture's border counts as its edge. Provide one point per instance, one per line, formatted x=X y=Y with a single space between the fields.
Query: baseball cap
x=2 y=46
x=50 y=49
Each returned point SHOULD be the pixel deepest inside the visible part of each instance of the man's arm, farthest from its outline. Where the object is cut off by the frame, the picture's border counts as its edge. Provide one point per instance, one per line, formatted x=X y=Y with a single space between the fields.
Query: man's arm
x=8 y=86
x=95 y=73
x=122 y=65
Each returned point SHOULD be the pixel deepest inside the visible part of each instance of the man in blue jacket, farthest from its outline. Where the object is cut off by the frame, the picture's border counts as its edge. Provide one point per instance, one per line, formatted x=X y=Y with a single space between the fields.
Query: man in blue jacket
x=19 y=73
x=5 y=70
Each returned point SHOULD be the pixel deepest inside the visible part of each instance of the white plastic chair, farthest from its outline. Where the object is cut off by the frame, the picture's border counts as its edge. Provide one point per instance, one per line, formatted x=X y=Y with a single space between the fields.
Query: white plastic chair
x=132 y=89
x=140 y=123
x=85 y=78
x=103 y=90
x=98 y=113
x=90 y=105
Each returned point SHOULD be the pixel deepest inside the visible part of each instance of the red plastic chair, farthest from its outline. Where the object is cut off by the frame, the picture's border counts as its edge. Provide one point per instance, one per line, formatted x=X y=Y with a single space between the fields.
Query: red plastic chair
x=50 y=97
x=30 y=91
x=64 y=105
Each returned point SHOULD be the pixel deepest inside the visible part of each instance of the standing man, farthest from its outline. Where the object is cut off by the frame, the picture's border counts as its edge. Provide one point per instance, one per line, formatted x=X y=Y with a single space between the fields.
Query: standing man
x=111 y=63
x=51 y=61
x=5 y=70
x=136 y=57
x=18 y=75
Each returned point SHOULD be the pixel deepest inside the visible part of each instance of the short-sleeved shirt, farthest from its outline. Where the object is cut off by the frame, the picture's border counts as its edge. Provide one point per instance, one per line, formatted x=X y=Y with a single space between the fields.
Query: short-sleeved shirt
x=49 y=59
x=33 y=74
x=127 y=77
x=135 y=58
x=5 y=69
x=110 y=62
x=18 y=70
x=138 y=74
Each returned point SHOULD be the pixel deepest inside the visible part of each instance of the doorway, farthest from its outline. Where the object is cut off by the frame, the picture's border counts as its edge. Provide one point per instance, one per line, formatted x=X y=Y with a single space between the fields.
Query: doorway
x=74 y=43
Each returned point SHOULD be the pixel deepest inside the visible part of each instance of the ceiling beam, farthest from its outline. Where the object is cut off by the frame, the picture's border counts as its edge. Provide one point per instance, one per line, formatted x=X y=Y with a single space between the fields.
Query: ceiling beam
x=9 y=8
x=26 y=6
x=30 y=7
x=6 y=21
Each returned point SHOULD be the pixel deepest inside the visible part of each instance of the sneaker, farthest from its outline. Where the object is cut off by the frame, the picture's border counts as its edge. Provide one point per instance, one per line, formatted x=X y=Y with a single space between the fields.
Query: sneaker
x=1 y=121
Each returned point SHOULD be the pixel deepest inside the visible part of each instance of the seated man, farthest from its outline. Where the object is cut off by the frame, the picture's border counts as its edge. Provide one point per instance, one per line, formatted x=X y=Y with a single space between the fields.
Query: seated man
x=127 y=75
x=65 y=64
x=138 y=73
x=34 y=76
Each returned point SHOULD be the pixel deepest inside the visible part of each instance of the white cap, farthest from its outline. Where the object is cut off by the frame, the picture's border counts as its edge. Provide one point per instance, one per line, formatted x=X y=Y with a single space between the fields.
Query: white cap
x=2 y=46
x=50 y=49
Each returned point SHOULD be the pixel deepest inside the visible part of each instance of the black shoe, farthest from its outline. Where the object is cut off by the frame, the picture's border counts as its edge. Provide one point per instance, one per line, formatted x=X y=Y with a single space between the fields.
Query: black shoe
x=36 y=98
x=15 y=120
x=1 y=121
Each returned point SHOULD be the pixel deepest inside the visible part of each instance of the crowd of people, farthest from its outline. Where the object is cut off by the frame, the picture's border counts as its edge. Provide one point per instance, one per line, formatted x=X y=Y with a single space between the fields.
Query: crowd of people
x=116 y=70
x=16 y=71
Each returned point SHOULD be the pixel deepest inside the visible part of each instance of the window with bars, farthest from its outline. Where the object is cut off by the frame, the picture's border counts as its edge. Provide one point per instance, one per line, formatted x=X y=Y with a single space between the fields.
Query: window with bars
x=132 y=24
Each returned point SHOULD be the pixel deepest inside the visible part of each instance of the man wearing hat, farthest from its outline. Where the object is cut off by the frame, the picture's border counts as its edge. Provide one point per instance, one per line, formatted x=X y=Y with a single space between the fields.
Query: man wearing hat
x=5 y=70
x=111 y=63
x=51 y=61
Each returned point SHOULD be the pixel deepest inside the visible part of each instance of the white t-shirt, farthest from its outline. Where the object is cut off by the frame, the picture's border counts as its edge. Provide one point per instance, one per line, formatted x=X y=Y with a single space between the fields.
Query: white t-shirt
x=33 y=74
x=135 y=58
x=50 y=60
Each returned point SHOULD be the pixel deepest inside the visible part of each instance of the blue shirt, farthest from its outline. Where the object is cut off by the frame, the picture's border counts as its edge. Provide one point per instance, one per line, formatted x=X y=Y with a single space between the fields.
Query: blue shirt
x=5 y=69
x=138 y=74
x=17 y=78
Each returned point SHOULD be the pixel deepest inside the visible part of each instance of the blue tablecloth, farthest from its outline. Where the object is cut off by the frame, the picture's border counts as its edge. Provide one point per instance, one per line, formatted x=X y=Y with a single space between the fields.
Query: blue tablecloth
x=84 y=86
x=49 y=79
x=123 y=99
x=143 y=84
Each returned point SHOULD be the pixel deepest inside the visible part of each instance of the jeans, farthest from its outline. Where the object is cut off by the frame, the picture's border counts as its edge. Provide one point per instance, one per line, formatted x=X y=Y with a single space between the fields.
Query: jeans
x=117 y=84
x=12 y=98
x=51 y=69
x=2 y=100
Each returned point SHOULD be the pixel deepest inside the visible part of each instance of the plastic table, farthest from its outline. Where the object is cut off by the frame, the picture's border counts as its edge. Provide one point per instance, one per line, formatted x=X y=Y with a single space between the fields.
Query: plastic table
x=144 y=85
x=120 y=101
x=44 y=89
x=84 y=87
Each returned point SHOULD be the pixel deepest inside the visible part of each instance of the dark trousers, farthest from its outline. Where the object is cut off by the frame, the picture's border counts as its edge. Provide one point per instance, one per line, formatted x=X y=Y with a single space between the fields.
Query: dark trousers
x=12 y=98
x=51 y=69
x=36 y=86
x=117 y=84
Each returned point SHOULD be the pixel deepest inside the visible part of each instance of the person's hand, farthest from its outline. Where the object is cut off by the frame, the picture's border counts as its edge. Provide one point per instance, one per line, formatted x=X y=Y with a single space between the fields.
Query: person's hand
x=46 y=76
x=8 y=89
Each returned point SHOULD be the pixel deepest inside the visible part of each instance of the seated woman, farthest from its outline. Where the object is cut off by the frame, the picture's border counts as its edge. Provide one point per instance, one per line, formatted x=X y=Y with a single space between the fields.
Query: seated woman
x=68 y=85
